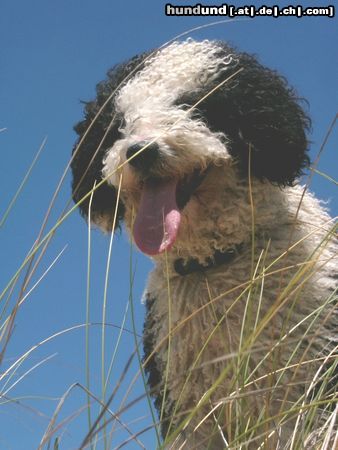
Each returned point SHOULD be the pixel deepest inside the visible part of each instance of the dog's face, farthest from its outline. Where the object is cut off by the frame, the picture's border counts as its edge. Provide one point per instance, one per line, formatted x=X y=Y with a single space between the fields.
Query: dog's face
x=177 y=137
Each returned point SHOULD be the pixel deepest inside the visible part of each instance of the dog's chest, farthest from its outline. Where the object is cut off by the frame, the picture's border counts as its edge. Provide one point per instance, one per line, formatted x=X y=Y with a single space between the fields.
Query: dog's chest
x=195 y=325
x=188 y=324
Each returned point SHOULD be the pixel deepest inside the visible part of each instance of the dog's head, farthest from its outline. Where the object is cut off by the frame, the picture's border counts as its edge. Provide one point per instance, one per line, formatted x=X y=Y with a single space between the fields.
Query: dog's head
x=174 y=120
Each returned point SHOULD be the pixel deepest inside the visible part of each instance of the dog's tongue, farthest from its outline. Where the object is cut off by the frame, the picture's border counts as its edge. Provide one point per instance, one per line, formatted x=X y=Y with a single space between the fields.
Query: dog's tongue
x=158 y=217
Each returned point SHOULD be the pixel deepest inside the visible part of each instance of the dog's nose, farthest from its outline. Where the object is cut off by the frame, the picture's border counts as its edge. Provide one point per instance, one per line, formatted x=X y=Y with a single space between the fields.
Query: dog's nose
x=146 y=158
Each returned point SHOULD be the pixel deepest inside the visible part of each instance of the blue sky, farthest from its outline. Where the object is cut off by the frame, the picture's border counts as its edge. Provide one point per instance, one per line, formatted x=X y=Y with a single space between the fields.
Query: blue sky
x=52 y=55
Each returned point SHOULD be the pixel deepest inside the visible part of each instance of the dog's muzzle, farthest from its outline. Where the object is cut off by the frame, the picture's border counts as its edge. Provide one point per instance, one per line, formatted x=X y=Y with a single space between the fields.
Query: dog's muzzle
x=162 y=199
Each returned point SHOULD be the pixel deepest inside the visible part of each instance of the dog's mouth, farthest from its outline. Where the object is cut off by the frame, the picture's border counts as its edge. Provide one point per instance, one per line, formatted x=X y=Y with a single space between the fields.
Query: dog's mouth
x=159 y=213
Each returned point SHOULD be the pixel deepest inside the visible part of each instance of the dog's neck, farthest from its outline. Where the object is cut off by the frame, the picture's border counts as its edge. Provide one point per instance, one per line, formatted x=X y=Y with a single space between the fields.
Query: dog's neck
x=219 y=258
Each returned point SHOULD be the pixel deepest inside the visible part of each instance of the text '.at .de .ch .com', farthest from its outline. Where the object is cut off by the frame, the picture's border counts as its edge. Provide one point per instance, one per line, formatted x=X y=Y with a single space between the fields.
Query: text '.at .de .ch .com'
x=250 y=10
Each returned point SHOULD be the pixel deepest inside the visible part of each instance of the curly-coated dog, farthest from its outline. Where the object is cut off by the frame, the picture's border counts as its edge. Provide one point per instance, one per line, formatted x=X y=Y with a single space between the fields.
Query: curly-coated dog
x=202 y=146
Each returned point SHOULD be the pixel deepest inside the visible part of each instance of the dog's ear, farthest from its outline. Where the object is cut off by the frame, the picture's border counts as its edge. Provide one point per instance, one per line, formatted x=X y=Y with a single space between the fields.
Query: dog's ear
x=97 y=133
x=259 y=113
x=87 y=168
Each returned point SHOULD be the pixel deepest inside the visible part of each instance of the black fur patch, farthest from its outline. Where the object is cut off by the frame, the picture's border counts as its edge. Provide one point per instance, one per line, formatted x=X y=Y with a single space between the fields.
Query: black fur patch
x=257 y=109
x=153 y=371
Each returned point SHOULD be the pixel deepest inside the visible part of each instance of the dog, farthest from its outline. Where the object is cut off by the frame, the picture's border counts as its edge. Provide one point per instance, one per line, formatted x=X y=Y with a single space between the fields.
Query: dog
x=198 y=147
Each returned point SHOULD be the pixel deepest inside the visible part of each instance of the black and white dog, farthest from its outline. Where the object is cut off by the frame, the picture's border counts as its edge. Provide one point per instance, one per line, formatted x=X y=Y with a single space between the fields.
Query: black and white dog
x=205 y=145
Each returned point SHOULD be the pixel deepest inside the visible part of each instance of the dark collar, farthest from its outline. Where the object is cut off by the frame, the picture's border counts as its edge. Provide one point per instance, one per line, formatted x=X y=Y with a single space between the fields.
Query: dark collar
x=218 y=258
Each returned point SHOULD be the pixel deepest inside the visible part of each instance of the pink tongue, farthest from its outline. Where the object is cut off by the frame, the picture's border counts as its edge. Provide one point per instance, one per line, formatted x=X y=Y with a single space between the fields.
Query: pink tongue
x=158 y=217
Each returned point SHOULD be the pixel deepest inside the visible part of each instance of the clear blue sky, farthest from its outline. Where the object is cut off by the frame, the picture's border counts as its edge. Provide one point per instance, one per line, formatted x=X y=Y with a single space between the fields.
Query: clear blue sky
x=52 y=55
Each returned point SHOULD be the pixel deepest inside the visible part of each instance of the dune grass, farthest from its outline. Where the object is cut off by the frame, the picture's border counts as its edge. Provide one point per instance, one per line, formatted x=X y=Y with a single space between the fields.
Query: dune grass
x=103 y=423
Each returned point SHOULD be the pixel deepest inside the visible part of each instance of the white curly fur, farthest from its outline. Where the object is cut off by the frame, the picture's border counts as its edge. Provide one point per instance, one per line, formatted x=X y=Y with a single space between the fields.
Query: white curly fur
x=145 y=103
x=291 y=233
